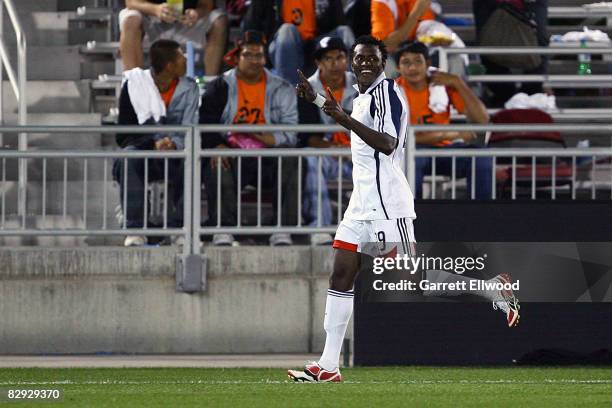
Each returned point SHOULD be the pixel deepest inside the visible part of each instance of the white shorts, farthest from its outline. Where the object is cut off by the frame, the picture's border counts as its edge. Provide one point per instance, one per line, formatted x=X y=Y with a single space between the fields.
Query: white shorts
x=379 y=236
x=155 y=29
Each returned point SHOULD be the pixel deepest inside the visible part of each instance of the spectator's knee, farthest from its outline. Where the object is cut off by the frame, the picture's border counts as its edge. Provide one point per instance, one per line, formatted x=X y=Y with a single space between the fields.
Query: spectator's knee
x=132 y=24
x=288 y=33
x=345 y=33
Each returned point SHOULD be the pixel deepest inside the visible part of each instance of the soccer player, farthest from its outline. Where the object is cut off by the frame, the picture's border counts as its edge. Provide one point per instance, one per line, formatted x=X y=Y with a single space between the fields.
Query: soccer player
x=381 y=207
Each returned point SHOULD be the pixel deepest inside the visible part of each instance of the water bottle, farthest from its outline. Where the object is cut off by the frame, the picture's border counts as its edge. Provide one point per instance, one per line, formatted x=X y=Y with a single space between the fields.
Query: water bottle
x=584 y=61
x=176 y=6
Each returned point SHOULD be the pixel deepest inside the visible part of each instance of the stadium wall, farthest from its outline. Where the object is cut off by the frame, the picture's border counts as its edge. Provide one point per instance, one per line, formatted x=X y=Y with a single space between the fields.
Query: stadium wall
x=123 y=300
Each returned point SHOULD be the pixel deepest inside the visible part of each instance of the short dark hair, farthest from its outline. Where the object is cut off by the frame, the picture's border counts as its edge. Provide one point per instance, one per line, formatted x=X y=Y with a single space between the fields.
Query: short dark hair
x=412 y=47
x=162 y=53
x=251 y=37
x=369 y=40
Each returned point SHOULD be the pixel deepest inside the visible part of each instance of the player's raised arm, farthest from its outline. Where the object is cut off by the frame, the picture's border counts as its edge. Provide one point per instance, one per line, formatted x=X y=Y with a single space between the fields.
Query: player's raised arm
x=380 y=141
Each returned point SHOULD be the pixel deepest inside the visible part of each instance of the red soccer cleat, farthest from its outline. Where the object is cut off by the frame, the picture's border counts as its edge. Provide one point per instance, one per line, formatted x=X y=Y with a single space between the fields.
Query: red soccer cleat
x=313 y=372
x=508 y=303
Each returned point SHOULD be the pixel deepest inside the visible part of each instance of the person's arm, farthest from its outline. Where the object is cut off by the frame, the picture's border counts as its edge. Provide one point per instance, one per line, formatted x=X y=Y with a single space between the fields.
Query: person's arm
x=380 y=141
x=401 y=33
x=285 y=102
x=211 y=111
x=475 y=110
x=162 y=11
x=433 y=138
x=189 y=115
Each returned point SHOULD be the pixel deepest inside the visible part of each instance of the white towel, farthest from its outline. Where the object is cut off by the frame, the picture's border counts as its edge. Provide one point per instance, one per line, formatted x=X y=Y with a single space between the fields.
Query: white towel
x=145 y=97
x=540 y=101
x=438 y=97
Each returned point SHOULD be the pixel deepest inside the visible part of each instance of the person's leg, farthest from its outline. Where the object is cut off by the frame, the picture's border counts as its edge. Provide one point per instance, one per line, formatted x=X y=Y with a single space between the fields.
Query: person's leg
x=329 y=171
x=309 y=191
x=287 y=52
x=130 y=39
x=345 y=33
x=539 y=8
x=289 y=198
x=215 y=45
x=422 y=166
x=228 y=193
x=176 y=178
x=132 y=193
x=482 y=171
x=339 y=305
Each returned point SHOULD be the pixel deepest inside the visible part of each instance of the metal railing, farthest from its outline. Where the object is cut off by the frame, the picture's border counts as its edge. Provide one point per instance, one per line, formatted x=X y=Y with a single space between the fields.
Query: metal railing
x=18 y=84
x=100 y=159
x=193 y=158
x=571 y=155
x=596 y=80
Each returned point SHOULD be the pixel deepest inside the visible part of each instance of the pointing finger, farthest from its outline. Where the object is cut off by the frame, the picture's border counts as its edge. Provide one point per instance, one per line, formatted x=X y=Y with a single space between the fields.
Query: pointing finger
x=329 y=94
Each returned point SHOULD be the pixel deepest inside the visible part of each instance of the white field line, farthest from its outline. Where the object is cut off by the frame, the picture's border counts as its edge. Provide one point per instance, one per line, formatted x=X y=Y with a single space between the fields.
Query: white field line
x=240 y=382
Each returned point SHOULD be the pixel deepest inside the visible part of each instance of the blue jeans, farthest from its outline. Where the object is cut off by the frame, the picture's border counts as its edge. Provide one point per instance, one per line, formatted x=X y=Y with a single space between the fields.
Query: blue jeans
x=329 y=171
x=287 y=49
x=463 y=168
x=135 y=189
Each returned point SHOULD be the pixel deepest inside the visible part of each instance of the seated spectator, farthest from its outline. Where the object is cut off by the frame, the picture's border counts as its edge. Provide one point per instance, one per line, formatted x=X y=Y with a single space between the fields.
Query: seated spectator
x=296 y=26
x=331 y=57
x=537 y=10
x=419 y=83
x=199 y=22
x=160 y=95
x=250 y=94
x=395 y=21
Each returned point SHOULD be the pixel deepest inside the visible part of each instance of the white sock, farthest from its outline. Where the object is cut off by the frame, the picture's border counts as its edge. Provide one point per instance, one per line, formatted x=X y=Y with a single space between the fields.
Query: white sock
x=448 y=277
x=338 y=310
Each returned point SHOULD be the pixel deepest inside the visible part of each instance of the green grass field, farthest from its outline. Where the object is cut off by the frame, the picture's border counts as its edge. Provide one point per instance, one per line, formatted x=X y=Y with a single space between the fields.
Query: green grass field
x=363 y=387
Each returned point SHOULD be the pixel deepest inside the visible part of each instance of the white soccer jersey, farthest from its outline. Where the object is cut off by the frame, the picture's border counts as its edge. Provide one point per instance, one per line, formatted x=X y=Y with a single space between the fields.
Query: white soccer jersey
x=380 y=189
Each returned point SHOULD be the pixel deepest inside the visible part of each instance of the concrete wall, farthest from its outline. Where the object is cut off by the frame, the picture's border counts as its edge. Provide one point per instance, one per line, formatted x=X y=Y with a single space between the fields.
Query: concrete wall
x=123 y=300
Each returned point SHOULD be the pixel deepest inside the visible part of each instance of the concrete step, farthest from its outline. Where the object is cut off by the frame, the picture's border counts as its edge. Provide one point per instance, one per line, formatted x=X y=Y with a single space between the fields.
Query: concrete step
x=54 y=221
x=15 y=222
x=30 y=6
x=54 y=202
x=54 y=63
x=71 y=5
x=51 y=96
x=58 y=62
x=57 y=141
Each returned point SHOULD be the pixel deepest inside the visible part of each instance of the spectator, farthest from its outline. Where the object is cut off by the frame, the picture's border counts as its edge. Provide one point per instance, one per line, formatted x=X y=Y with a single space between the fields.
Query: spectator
x=160 y=95
x=199 y=22
x=395 y=21
x=418 y=83
x=295 y=26
x=331 y=57
x=250 y=94
x=538 y=11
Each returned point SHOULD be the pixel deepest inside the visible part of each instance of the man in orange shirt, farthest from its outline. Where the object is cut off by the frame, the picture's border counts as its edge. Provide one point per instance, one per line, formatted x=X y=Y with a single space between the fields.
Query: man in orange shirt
x=417 y=84
x=395 y=21
x=250 y=94
x=295 y=26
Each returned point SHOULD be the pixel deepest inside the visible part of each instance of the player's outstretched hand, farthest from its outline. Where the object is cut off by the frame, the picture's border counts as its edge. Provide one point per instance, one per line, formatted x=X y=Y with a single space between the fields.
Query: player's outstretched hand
x=332 y=107
x=304 y=89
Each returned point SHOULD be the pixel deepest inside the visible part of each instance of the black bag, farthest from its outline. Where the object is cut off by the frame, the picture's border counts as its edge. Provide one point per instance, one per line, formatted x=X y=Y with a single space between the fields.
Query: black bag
x=510 y=27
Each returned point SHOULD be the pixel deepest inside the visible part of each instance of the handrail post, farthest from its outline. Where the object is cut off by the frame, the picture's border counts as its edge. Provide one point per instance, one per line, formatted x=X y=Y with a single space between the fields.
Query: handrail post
x=197 y=190
x=20 y=93
x=410 y=159
x=442 y=59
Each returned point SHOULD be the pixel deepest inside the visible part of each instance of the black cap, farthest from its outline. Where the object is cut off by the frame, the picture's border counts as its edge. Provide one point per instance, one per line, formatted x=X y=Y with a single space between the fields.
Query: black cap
x=328 y=43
